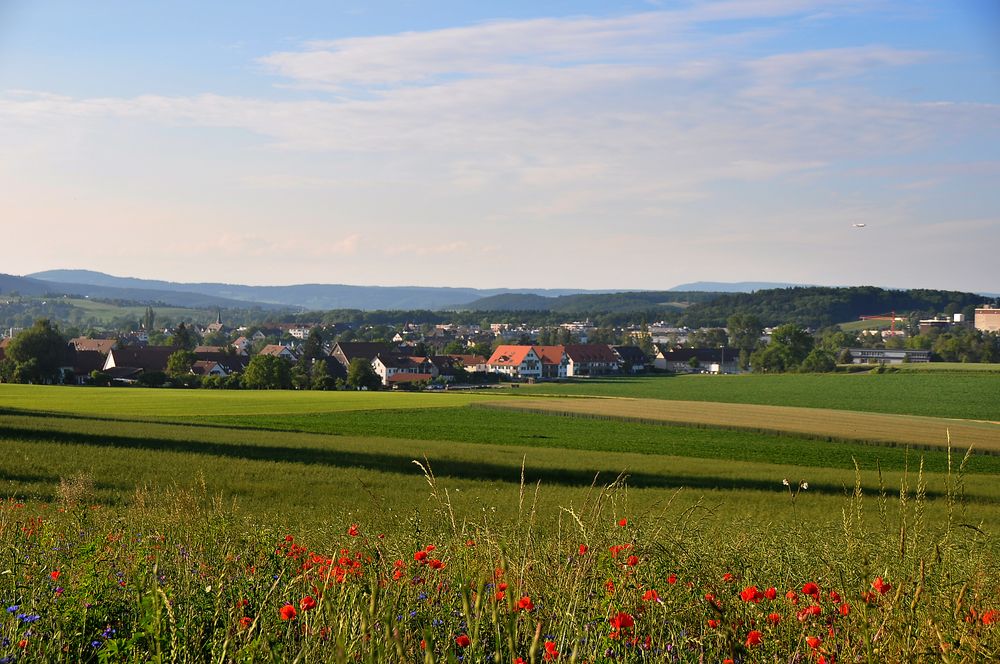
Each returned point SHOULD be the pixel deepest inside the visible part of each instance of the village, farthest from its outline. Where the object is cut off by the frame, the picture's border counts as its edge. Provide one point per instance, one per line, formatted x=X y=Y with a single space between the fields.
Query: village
x=317 y=356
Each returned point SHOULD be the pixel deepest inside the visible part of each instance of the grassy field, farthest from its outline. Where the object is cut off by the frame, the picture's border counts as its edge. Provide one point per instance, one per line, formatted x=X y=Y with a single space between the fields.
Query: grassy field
x=950 y=367
x=175 y=517
x=972 y=396
x=106 y=312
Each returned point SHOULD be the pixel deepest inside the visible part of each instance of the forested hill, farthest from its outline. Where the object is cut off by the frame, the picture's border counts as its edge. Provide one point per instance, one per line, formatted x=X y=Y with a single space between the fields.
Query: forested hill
x=663 y=302
x=817 y=306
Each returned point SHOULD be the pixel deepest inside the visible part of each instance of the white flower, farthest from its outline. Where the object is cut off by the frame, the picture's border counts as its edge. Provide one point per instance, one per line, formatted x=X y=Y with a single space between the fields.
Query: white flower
x=785 y=482
x=805 y=485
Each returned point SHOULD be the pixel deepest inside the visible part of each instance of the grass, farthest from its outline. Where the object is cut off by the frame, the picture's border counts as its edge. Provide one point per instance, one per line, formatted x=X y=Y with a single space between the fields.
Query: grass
x=813 y=422
x=949 y=367
x=106 y=312
x=971 y=396
x=156 y=525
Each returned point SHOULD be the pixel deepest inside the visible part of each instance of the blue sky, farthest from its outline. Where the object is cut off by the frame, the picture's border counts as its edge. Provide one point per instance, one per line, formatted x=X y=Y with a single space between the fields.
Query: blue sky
x=559 y=144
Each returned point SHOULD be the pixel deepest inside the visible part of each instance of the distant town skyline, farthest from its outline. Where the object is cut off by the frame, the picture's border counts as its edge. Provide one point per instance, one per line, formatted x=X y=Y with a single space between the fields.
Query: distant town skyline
x=550 y=144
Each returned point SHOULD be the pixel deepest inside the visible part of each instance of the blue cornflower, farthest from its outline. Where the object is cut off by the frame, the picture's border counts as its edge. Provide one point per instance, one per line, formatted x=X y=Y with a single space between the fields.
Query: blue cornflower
x=25 y=618
x=422 y=596
x=13 y=609
x=95 y=644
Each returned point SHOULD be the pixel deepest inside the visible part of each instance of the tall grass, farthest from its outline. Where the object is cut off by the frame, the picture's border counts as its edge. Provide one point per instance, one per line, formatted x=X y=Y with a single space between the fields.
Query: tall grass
x=185 y=575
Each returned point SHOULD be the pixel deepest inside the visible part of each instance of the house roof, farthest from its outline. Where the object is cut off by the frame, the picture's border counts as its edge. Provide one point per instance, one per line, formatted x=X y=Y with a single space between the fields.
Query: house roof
x=204 y=367
x=147 y=358
x=469 y=360
x=103 y=346
x=85 y=361
x=207 y=349
x=363 y=349
x=550 y=354
x=630 y=354
x=275 y=349
x=123 y=372
x=591 y=353
x=391 y=361
x=508 y=355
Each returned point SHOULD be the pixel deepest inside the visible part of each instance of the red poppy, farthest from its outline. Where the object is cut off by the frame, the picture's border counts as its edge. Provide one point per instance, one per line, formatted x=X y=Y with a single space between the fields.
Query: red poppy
x=814 y=642
x=810 y=589
x=22 y=644
x=990 y=617
x=845 y=609
x=622 y=621
x=771 y=593
x=750 y=594
x=525 y=604
x=753 y=638
x=713 y=623
x=774 y=618
x=435 y=563
x=245 y=622
x=288 y=612
x=551 y=653
x=881 y=586
x=353 y=530
x=470 y=543
x=622 y=523
x=728 y=578
x=307 y=603
x=55 y=574
x=835 y=597
x=420 y=555
x=650 y=596
x=463 y=641
x=672 y=579
x=632 y=561
x=584 y=549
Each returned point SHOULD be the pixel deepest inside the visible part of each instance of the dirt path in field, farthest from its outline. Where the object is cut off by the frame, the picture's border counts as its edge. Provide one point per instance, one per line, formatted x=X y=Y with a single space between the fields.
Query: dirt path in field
x=812 y=422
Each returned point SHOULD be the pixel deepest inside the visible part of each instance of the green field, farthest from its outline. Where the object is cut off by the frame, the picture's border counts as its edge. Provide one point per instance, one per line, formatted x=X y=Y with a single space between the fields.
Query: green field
x=962 y=396
x=175 y=517
x=276 y=451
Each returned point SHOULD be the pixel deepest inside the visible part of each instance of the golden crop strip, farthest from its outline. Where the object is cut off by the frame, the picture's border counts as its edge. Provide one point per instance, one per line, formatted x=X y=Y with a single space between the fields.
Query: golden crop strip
x=812 y=422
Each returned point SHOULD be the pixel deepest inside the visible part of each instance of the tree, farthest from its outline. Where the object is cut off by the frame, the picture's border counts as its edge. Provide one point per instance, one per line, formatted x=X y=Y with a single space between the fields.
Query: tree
x=300 y=377
x=149 y=319
x=819 y=361
x=179 y=363
x=313 y=348
x=320 y=378
x=183 y=338
x=42 y=350
x=798 y=342
x=708 y=338
x=744 y=334
x=361 y=375
x=455 y=347
x=267 y=372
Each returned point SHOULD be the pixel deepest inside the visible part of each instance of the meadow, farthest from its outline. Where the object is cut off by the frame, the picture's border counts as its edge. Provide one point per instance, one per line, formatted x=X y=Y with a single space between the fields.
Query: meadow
x=178 y=525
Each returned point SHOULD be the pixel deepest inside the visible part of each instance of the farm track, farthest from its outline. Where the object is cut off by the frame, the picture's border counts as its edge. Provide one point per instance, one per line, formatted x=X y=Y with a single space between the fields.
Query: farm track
x=878 y=428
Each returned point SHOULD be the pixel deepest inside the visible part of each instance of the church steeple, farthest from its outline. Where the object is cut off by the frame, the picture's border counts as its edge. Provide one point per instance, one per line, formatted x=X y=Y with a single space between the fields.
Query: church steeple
x=218 y=319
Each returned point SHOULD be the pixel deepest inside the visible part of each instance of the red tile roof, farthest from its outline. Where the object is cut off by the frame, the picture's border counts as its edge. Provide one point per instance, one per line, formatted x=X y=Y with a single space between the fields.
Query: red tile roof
x=550 y=354
x=509 y=355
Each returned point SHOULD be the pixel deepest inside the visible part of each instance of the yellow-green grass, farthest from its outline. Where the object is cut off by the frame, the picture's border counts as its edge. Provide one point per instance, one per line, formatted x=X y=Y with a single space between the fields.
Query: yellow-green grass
x=966 y=395
x=858 y=325
x=106 y=312
x=127 y=403
x=293 y=477
x=831 y=424
x=951 y=367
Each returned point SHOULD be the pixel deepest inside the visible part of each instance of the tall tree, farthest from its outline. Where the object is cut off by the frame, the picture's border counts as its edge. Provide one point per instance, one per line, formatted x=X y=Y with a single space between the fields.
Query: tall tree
x=267 y=372
x=361 y=375
x=179 y=363
x=38 y=353
x=744 y=332
x=149 y=319
x=184 y=338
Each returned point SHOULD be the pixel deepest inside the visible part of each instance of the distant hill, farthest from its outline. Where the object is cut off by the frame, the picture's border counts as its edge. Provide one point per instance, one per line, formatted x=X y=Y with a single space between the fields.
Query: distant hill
x=307 y=296
x=34 y=286
x=591 y=303
x=732 y=287
x=818 y=306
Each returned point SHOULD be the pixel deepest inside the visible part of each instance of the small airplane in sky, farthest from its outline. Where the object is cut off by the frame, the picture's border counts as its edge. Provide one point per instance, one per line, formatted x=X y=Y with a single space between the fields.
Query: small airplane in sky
x=859 y=225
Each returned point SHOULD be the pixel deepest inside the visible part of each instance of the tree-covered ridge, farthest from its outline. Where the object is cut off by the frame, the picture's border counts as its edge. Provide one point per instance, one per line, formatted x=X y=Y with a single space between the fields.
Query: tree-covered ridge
x=590 y=303
x=820 y=306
